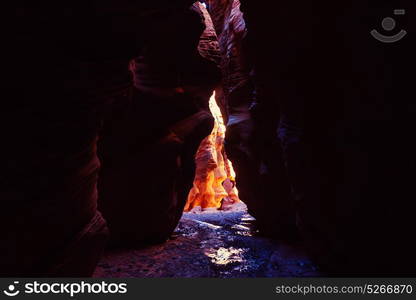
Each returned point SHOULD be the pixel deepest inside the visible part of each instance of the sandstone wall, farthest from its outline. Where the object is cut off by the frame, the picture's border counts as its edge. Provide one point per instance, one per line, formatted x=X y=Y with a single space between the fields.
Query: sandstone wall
x=214 y=181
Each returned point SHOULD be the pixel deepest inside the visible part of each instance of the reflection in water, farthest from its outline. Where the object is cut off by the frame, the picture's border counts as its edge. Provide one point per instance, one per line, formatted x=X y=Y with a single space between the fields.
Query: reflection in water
x=220 y=244
x=242 y=230
x=224 y=256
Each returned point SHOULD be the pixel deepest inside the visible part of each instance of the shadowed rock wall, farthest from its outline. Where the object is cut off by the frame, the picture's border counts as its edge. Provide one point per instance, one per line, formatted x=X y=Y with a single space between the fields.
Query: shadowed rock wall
x=66 y=69
x=318 y=129
x=148 y=144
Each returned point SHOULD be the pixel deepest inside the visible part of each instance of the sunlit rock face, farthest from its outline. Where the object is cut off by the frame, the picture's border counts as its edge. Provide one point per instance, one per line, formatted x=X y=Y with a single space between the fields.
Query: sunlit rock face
x=214 y=185
x=231 y=29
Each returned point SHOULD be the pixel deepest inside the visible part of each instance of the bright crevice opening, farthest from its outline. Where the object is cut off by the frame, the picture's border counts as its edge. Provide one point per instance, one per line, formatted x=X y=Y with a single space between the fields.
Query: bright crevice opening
x=214 y=185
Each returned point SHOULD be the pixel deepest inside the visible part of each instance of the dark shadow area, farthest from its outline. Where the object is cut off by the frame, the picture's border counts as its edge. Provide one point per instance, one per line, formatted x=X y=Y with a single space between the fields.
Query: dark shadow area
x=106 y=103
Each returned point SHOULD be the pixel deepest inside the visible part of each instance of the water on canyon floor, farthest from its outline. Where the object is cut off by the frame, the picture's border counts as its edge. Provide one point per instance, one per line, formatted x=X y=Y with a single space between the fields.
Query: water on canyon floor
x=211 y=243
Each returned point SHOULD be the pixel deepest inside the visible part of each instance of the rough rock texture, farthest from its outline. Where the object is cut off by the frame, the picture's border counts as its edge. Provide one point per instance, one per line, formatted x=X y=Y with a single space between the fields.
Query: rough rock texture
x=234 y=65
x=231 y=29
x=208 y=47
x=211 y=244
x=218 y=10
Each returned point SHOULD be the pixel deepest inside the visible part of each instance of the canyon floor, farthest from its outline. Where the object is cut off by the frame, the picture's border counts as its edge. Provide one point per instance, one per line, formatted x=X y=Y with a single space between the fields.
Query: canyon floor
x=210 y=243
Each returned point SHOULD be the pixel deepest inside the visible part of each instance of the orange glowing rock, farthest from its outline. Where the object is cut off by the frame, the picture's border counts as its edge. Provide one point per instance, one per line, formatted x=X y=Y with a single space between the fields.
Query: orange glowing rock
x=214 y=180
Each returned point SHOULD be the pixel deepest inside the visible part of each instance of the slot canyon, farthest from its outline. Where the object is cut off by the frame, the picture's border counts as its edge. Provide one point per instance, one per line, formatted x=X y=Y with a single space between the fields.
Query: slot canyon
x=214 y=184
x=215 y=138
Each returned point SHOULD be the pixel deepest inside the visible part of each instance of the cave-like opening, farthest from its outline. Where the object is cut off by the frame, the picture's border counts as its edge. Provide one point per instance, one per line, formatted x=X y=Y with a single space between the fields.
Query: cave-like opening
x=215 y=179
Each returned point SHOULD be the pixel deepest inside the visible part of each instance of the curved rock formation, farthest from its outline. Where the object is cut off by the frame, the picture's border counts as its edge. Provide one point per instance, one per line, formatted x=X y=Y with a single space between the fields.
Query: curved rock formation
x=251 y=139
x=148 y=145
x=213 y=185
x=65 y=68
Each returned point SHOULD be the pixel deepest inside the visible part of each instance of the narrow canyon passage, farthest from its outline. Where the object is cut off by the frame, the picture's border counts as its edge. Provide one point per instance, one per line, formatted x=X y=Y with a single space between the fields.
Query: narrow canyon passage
x=215 y=183
x=211 y=243
x=110 y=144
x=216 y=237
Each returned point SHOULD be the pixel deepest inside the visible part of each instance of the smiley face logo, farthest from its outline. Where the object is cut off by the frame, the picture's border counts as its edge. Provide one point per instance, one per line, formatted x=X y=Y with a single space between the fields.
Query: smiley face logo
x=389 y=24
x=12 y=291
